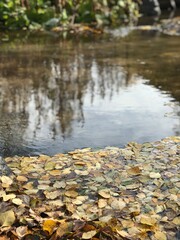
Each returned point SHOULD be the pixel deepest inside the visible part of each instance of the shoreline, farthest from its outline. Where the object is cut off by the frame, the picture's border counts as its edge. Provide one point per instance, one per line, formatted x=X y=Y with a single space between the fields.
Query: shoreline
x=123 y=193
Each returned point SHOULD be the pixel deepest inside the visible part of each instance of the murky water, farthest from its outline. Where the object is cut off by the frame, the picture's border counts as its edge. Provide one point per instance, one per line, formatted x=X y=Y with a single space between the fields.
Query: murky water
x=57 y=95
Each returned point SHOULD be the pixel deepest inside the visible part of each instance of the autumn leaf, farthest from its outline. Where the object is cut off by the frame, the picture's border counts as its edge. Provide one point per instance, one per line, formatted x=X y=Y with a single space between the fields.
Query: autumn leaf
x=155 y=175
x=49 y=225
x=147 y=220
x=104 y=193
x=65 y=227
x=7 y=218
x=89 y=235
x=160 y=235
x=134 y=171
x=21 y=231
x=22 y=178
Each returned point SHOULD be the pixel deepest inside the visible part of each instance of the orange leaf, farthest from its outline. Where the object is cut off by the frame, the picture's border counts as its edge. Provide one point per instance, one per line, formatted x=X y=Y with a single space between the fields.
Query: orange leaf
x=49 y=226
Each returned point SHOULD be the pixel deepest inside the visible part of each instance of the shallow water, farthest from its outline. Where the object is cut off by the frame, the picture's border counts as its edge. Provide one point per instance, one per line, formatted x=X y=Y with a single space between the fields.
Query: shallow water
x=57 y=95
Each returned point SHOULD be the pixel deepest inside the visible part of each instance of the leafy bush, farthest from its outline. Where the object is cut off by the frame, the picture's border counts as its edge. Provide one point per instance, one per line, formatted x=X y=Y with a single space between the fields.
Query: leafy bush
x=15 y=14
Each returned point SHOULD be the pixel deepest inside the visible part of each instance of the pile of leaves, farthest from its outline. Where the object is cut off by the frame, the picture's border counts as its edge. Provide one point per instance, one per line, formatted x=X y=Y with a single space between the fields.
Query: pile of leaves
x=114 y=193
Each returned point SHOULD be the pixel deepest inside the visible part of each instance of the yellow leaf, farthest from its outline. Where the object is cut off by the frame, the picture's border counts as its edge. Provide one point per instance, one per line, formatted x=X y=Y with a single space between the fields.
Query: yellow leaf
x=123 y=233
x=154 y=175
x=49 y=226
x=160 y=235
x=71 y=193
x=102 y=203
x=17 y=201
x=8 y=197
x=6 y=181
x=7 y=218
x=82 y=173
x=51 y=195
x=104 y=193
x=22 y=179
x=55 y=172
x=89 y=235
x=176 y=221
x=148 y=220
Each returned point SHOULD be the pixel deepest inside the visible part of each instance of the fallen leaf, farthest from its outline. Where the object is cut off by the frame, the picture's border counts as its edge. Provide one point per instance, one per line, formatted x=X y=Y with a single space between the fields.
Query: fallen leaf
x=102 y=203
x=55 y=172
x=22 y=179
x=17 y=201
x=160 y=235
x=176 y=221
x=21 y=231
x=64 y=228
x=59 y=184
x=89 y=235
x=134 y=171
x=148 y=220
x=123 y=233
x=8 y=197
x=71 y=193
x=51 y=195
x=7 y=218
x=49 y=225
x=155 y=175
x=6 y=181
x=104 y=193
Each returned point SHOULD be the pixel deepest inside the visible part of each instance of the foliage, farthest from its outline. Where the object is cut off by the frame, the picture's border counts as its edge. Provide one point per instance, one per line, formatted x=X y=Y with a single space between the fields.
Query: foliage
x=15 y=14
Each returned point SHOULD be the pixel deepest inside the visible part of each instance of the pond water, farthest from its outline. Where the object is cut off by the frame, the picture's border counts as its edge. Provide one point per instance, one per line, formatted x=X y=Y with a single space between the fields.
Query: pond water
x=57 y=95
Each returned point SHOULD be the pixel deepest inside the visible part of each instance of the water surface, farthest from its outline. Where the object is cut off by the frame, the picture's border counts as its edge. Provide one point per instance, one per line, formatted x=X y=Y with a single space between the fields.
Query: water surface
x=57 y=95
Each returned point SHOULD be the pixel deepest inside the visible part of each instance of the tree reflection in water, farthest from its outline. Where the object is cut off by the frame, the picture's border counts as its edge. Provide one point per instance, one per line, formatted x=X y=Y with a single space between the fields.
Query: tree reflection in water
x=42 y=91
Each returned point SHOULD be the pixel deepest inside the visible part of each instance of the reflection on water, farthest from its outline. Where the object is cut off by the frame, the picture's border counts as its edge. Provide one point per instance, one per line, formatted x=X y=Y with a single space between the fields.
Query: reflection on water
x=59 y=95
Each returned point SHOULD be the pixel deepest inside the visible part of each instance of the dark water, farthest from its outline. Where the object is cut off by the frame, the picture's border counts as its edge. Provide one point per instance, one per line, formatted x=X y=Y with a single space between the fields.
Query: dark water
x=57 y=95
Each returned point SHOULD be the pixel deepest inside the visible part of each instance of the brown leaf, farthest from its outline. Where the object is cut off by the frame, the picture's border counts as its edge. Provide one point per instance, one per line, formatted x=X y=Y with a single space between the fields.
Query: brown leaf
x=64 y=228
x=134 y=171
